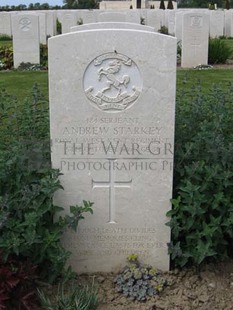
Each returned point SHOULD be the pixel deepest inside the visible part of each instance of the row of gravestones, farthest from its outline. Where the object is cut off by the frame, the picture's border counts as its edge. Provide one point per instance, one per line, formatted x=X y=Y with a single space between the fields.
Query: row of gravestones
x=220 y=22
x=112 y=111
x=191 y=27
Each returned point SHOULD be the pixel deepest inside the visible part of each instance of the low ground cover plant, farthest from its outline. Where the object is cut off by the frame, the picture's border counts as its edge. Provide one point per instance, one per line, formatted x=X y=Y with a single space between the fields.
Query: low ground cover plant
x=138 y=281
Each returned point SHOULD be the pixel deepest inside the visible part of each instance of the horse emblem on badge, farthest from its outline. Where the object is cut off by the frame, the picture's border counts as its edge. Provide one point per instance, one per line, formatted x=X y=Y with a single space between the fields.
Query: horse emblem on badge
x=112 y=82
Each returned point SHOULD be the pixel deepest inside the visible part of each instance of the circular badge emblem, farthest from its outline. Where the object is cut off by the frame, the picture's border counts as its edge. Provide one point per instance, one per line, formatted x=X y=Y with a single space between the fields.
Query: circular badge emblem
x=25 y=24
x=112 y=82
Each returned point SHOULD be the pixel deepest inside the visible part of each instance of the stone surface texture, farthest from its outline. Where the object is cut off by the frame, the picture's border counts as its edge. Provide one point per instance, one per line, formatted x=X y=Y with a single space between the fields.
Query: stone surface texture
x=112 y=106
x=110 y=25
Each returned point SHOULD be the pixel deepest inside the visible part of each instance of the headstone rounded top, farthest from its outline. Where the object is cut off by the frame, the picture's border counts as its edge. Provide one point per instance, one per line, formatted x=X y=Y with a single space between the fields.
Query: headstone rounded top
x=112 y=82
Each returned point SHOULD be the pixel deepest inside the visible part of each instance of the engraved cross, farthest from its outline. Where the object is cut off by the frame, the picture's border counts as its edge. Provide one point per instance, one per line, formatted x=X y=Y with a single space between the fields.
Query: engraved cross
x=195 y=44
x=111 y=184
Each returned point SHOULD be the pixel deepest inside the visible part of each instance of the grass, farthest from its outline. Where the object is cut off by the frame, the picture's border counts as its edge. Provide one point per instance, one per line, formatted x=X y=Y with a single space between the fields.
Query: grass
x=20 y=84
x=207 y=78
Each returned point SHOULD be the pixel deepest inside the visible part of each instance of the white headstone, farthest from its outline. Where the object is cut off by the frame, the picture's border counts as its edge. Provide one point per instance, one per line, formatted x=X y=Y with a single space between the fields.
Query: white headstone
x=195 y=39
x=133 y=16
x=26 y=43
x=50 y=22
x=154 y=19
x=179 y=25
x=109 y=25
x=42 y=28
x=171 y=21
x=5 y=24
x=112 y=17
x=112 y=107
x=216 y=23
x=228 y=27
x=88 y=16
x=68 y=19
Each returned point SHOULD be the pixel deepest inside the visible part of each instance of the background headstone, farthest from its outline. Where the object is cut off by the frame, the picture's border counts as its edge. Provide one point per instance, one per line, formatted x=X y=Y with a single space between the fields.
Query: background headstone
x=228 y=29
x=171 y=21
x=26 y=43
x=154 y=19
x=216 y=23
x=109 y=25
x=112 y=17
x=112 y=107
x=179 y=25
x=195 y=39
x=88 y=16
x=68 y=19
x=5 y=24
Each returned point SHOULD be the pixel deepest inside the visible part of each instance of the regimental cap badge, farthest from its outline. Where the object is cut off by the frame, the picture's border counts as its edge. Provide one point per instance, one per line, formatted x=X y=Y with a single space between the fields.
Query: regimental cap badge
x=25 y=24
x=112 y=82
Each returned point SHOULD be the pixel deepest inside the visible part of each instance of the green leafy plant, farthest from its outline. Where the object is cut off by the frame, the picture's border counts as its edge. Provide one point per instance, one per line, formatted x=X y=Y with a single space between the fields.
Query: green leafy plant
x=138 y=282
x=44 y=56
x=74 y=297
x=59 y=27
x=202 y=213
x=142 y=22
x=219 y=52
x=163 y=30
x=27 y=186
x=179 y=51
x=6 y=57
x=80 y=21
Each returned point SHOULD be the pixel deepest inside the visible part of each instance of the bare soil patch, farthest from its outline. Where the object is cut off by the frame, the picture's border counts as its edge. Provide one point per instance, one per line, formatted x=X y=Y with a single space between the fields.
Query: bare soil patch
x=210 y=287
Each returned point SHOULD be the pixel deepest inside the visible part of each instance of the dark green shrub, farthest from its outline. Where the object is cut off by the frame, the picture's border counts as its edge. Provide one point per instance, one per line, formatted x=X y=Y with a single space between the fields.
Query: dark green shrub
x=27 y=186
x=227 y=5
x=162 y=5
x=202 y=214
x=59 y=27
x=219 y=52
x=179 y=51
x=6 y=57
x=44 y=56
x=163 y=30
x=170 y=5
x=5 y=37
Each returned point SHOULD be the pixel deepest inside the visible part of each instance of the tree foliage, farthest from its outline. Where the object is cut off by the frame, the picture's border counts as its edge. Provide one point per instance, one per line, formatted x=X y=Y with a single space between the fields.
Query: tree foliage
x=80 y=4
x=202 y=3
